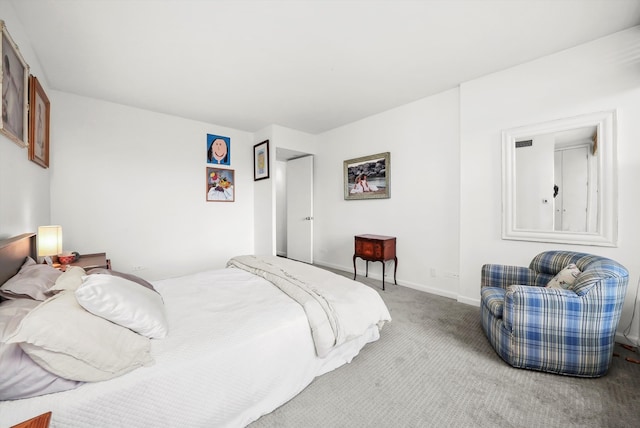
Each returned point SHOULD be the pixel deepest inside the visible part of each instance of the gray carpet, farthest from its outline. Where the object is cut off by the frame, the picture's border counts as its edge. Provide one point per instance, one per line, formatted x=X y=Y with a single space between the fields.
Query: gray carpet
x=433 y=367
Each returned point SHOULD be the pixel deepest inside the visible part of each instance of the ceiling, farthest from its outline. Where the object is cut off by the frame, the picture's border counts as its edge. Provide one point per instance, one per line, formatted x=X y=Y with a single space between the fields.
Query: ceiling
x=307 y=65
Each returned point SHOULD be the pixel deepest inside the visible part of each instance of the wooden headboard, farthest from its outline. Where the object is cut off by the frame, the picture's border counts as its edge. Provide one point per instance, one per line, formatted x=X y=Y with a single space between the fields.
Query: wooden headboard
x=13 y=252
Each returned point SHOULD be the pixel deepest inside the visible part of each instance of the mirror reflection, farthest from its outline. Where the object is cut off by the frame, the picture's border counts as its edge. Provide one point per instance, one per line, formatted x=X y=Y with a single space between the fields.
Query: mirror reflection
x=559 y=181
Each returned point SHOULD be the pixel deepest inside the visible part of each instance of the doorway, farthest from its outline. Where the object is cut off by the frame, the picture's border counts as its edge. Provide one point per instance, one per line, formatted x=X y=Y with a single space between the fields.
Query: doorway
x=294 y=205
x=571 y=205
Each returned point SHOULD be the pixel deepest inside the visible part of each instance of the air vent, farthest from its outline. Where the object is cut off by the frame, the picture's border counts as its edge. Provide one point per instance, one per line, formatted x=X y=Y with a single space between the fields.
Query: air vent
x=526 y=143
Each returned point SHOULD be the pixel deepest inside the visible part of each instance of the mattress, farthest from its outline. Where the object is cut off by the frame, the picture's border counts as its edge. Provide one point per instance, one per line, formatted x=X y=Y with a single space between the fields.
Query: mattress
x=237 y=349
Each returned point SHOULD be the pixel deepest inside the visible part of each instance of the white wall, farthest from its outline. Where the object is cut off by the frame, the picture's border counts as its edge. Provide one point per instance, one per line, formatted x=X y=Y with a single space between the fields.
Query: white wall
x=597 y=76
x=24 y=185
x=423 y=210
x=264 y=204
x=133 y=183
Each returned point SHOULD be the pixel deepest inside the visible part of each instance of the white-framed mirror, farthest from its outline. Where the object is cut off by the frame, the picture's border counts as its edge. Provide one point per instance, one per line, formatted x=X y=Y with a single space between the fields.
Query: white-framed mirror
x=559 y=181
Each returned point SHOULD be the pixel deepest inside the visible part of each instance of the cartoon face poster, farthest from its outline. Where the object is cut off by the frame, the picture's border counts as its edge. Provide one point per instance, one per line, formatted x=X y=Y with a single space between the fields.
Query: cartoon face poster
x=218 y=150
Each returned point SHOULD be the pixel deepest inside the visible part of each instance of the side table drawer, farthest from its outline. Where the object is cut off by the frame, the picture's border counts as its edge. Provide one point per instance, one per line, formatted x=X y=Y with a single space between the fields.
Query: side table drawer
x=368 y=248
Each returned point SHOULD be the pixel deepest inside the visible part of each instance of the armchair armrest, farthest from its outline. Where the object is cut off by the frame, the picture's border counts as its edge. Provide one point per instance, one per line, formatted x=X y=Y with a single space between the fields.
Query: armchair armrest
x=503 y=276
x=536 y=311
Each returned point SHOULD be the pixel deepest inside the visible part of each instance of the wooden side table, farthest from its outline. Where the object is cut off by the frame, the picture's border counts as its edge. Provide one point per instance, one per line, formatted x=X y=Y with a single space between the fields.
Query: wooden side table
x=91 y=261
x=376 y=248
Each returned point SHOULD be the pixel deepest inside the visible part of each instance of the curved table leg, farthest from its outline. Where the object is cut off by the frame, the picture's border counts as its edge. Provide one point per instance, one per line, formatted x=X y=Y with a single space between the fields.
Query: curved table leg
x=354 y=267
x=395 y=269
x=383 y=266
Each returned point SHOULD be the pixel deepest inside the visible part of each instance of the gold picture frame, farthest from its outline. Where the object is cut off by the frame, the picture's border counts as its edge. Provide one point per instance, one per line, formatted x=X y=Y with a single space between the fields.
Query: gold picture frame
x=39 y=113
x=15 y=85
x=368 y=177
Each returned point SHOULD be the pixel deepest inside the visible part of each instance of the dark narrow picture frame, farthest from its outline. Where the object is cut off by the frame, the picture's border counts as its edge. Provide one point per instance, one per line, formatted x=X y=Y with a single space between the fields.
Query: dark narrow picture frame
x=261 y=161
x=39 y=114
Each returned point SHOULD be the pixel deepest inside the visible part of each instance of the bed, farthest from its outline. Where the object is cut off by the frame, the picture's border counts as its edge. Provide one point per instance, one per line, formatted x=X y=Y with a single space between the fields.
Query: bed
x=238 y=346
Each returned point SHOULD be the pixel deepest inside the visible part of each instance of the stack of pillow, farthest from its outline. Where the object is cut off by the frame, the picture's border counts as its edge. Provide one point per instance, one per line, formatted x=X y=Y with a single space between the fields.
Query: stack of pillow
x=58 y=330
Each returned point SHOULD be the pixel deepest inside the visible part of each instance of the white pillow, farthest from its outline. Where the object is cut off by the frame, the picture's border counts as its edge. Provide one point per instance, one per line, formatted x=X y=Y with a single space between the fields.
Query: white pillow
x=125 y=303
x=71 y=279
x=20 y=376
x=565 y=278
x=70 y=342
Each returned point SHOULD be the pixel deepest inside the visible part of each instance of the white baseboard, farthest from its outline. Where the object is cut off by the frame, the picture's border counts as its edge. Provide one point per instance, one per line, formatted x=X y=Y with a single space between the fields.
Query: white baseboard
x=629 y=340
x=468 y=301
x=430 y=290
x=413 y=285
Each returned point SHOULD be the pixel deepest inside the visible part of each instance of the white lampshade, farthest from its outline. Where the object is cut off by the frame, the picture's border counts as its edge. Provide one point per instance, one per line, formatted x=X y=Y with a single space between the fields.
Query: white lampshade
x=49 y=240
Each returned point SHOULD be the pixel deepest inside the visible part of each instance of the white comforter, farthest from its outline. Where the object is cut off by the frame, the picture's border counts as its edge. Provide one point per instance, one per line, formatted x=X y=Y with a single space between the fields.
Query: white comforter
x=338 y=308
x=237 y=348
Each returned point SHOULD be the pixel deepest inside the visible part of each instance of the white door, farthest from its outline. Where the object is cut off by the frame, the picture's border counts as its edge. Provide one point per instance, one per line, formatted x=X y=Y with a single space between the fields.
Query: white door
x=300 y=209
x=572 y=172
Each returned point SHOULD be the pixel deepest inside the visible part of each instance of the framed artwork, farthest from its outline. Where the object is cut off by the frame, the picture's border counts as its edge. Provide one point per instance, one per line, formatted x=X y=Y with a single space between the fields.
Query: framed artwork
x=218 y=150
x=15 y=77
x=368 y=177
x=261 y=161
x=38 y=123
x=220 y=187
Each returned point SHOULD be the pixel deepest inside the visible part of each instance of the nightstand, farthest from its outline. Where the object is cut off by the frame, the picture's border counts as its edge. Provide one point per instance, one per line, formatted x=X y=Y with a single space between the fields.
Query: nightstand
x=376 y=248
x=91 y=261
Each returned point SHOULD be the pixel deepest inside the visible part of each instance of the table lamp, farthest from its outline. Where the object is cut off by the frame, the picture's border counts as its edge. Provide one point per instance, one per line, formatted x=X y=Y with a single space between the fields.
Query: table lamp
x=49 y=242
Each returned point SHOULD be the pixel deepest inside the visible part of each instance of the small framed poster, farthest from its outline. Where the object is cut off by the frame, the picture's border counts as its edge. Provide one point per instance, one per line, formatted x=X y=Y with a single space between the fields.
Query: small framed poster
x=218 y=150
x=220 y=185
x=261 y=161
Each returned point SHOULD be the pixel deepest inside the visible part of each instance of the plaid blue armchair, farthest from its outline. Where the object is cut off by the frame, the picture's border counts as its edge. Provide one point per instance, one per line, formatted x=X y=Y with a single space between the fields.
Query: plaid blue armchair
x=564 y=331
